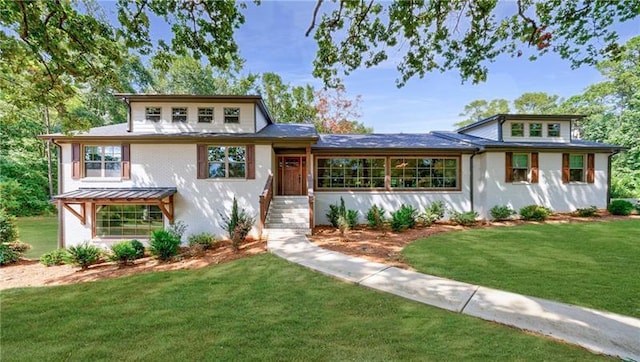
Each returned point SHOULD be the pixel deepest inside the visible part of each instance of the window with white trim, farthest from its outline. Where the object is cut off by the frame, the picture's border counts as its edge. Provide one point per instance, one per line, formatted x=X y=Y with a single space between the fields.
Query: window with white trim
x=102 y=161
x=127 y=220
x=553 y=129
x=179 y=114
x=227 y=161
x=517 y=129
x=205 y=115
x=153 y=113
x=577 y=168
x=232 y=115
x=535 y=129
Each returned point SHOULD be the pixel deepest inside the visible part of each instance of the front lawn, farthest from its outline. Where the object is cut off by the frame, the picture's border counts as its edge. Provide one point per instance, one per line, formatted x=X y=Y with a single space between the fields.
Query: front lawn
x=258 y=308
x=590 y=264
x=41 y=232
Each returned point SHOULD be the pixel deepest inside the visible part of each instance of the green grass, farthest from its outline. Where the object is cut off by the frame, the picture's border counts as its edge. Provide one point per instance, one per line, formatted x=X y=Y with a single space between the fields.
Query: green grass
x=41 y=232
x=259 y=308
x=589 y=264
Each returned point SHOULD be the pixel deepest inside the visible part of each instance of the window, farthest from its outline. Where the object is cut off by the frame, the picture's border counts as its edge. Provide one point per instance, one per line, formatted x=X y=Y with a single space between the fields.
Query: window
x=152 y=113
x=232 y=115
x=205 y=115
x=436 y=173
x=520 y=167
x=517 y=129
x=553 y=130
x=226 y=162
x=535 y=130
x=350 y=172
x=102 y=161
x=576 y=168
x=179 y=114
x=128 y=220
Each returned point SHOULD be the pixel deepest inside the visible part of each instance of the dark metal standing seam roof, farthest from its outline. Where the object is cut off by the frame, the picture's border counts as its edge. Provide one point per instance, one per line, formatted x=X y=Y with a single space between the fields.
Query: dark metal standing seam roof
x=156 y=193
x=425 y=141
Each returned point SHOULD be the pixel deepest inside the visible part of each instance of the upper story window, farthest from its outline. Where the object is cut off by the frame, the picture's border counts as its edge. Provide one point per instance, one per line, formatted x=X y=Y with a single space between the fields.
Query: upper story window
x=535 y=129
x=350 y=172
x=438 y=173
x=226 y=161
x=553 y=130
x=576 y=168
x=152 y=113
x=179 y=114
x=102 y=161
x=517 y=129
x=232 y=115
x=205 y=115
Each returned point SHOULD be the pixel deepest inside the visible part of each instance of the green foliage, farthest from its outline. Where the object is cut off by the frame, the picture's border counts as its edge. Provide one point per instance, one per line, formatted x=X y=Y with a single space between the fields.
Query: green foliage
x=139 y=248
x=164 y=244
x=590 y=211
x=237 y=224
x=340 y=211
x=466 y=218
x=537 y=103
x=206 y=240
x=54 y=257
x=375 y=217
x=620 y=207
x=8 y=255
x=84 y=255
x=177 y=228
x=481 y=109
x=124 y=252
x=403 y=218
x=8 y=227
x=432 y=213
x=501 y=212
x=535 y=212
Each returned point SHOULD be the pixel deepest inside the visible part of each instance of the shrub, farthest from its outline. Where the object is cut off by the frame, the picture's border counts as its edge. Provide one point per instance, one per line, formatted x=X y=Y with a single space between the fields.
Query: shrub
x=375 y=217
x=403 y=218
x=238 y=225
x=8 y=255
x=8 y=228
x=164 y=244
x=535 y=212
x=123 y=252
x=206 y=240
x=467 y=218
x=432 y=213
x=343 y=224
x=139 y=248
x=638 y=207
x=620 y=207
x=55 y=257
x=501 y=212
x=84 y=255
x=177 y=228
x=587 y=212
x=337 y=211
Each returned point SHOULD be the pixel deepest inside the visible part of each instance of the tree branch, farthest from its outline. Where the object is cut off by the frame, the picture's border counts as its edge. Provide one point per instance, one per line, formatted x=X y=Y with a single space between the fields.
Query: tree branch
x=313 y=20
x=532 y=37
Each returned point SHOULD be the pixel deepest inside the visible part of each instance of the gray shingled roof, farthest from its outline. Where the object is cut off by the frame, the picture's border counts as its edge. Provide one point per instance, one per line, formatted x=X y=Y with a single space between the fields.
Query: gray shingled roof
x=487 y=143
x=156 y=193
x=390 y=141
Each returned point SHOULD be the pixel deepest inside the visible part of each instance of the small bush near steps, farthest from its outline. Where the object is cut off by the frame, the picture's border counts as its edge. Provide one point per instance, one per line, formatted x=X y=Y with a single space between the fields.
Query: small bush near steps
x=375 y=217
x=238 y=224
x=350 y=217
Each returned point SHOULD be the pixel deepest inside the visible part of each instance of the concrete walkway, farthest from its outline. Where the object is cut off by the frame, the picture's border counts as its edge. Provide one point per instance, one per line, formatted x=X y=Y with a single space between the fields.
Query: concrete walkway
x=598 y=331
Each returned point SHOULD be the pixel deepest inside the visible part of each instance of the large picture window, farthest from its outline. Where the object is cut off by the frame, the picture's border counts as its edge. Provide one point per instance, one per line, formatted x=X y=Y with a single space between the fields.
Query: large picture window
x=350 y=173
x=226 y=161
x=428 y=173
x=102 y=161
x=127 y=220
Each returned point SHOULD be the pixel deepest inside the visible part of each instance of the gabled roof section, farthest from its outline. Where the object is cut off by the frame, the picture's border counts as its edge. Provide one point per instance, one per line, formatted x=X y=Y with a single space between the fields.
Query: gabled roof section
x=401 y=141
x=485 y=143
x=137 y=97
x=524 y=117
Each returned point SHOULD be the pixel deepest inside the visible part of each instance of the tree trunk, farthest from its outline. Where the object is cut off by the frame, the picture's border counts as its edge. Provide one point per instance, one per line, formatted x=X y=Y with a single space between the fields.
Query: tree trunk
x=47 y=122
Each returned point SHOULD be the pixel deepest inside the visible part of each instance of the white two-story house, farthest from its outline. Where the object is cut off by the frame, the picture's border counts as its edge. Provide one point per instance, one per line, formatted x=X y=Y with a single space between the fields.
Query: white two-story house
x=185 y=157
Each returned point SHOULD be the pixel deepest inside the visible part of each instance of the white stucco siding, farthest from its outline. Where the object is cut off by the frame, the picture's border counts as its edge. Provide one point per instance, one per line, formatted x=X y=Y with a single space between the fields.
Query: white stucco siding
x=392 y=200
x=565 y=132
x=549 y=191
x=488 y=131
x=165 y=125
x=198 y=202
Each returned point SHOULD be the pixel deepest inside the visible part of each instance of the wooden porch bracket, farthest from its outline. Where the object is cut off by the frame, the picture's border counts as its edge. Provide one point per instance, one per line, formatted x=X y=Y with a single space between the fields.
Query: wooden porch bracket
x=82 y=215
x=166 y=206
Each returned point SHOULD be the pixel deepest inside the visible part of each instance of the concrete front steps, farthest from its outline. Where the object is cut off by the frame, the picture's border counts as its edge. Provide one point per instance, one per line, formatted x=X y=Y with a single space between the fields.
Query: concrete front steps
x=288 y=213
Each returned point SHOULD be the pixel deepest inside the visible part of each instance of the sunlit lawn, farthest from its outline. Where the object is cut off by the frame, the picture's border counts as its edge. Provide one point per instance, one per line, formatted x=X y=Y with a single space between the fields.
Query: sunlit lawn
x=259 y=308
x=590 y=264
x=39 y=231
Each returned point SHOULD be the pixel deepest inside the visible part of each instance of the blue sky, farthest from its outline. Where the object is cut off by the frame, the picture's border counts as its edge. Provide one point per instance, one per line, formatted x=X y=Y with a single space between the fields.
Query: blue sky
x=272 y=40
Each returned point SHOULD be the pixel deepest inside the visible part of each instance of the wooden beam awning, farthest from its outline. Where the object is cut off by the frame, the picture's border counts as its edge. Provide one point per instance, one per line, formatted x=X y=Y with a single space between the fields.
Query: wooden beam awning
x=160 y=196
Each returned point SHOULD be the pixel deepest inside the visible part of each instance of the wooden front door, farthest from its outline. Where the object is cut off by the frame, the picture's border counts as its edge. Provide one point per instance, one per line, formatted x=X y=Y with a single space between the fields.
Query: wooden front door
x=291 y=172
